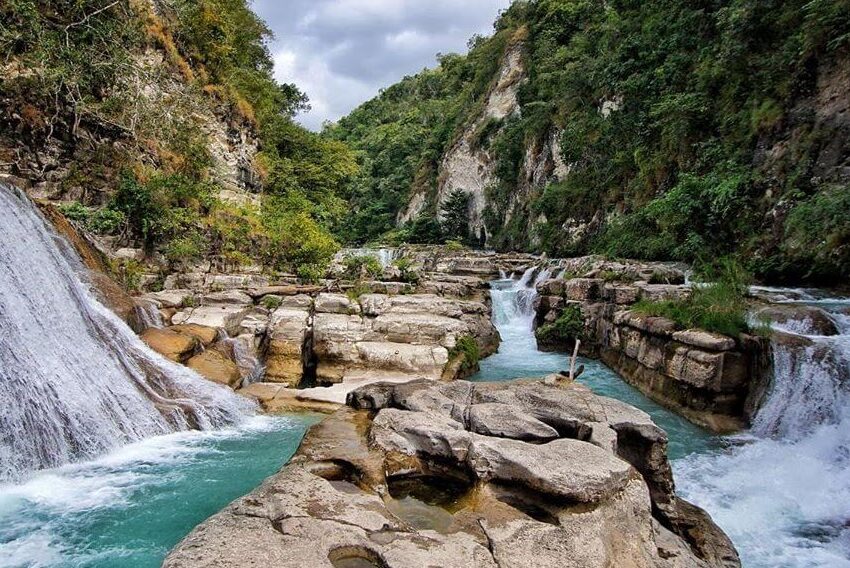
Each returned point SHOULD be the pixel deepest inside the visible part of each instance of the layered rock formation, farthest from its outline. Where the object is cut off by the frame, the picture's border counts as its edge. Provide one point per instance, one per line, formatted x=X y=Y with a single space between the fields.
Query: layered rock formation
x=463 y=474
x=706 y=377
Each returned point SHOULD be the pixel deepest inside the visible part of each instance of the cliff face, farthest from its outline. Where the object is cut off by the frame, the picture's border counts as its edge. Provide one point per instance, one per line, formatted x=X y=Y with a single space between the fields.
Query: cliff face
x=72 y=146
x=642 y=131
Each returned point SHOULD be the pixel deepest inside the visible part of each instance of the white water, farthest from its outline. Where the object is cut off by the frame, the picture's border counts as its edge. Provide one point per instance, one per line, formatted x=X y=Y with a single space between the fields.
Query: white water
x=75 y=381
x=513 y=314
x=782 y=491
x=386 y=256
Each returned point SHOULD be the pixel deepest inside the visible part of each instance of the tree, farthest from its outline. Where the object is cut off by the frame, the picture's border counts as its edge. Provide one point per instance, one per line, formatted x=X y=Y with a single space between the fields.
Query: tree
x=455 y=216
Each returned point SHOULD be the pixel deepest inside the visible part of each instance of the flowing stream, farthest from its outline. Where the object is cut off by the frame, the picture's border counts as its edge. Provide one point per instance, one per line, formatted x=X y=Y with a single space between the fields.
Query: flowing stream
x=781 y=490
x=109 y=454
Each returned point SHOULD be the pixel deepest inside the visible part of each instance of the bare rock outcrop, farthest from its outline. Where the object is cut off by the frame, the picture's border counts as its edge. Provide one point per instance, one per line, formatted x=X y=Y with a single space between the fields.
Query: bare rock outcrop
x=460 y=474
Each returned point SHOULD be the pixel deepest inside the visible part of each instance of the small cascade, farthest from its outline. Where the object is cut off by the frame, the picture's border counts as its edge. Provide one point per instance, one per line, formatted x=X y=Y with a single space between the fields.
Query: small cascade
x=75 y=381
x=782 y=491
x=250 y=368
x=148 y=316
x=385 y=256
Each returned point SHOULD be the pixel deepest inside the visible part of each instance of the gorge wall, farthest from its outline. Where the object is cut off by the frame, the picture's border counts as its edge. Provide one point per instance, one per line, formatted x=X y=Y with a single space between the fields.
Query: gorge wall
x=728 y=135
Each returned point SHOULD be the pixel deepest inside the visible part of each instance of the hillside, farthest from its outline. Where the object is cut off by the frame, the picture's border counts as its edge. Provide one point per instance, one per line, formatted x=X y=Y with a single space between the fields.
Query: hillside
x=634 y=129
x=158 y=125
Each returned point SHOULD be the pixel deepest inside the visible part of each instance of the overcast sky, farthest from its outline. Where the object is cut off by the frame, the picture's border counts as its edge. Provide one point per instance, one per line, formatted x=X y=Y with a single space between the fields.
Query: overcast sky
x=342 y=52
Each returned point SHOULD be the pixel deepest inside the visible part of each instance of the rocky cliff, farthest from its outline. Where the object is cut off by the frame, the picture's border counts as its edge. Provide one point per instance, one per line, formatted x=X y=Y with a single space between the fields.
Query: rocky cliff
x=702 y=135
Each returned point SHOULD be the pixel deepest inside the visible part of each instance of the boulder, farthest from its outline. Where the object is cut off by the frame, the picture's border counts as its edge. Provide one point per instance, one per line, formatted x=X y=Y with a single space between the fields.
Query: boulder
x=217 y=367
x=170 y=298
x=504 y=421
x=287 y=350
x=227 y=318
x=172 y=345
x=205 y=335
x=336 y=304
x=705 y=340
x=232 y=297
x=478 y=500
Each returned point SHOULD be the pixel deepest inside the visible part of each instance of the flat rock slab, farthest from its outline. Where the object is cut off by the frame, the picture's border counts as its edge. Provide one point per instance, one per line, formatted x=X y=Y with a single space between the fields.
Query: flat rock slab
x=421 y=474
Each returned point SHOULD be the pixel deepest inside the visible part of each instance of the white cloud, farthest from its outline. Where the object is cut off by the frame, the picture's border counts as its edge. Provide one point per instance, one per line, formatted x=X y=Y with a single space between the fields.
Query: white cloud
x=342 y=52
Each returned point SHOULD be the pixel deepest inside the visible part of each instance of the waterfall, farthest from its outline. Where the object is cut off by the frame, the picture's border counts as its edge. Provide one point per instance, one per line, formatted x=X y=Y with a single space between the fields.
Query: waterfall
x=148 y=316
x=385 y=256
x=75 y=381
x=513 y=315
x=782 y=491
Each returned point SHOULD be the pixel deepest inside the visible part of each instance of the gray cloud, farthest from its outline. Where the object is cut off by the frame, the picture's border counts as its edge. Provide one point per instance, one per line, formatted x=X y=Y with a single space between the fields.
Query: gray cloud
x=342 y=52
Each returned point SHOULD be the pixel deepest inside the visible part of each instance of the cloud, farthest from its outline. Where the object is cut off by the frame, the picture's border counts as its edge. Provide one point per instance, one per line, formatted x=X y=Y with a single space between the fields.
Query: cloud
x=342 y=52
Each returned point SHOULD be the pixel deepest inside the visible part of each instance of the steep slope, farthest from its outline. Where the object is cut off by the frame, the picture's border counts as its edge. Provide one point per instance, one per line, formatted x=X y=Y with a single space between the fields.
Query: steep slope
x=630 y=128
x=159 y=124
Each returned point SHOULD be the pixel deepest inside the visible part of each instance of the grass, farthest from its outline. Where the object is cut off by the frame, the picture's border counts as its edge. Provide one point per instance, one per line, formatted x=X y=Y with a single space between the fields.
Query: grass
x=467 y=348
x=718 y=306
x=568 y=326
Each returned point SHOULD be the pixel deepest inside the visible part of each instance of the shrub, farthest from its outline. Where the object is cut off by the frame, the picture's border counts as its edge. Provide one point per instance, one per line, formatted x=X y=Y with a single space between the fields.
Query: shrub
x=466 y=348
x=408 y=272
x=104 y=221
x=719 y=305
x=271 y=302
x=129 y=274
x=358 y=266
x=568 y=327
x=311 y=273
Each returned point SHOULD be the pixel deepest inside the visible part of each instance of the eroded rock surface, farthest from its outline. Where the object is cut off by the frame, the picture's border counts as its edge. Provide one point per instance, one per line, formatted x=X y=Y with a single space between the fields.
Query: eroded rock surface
x=424 y=474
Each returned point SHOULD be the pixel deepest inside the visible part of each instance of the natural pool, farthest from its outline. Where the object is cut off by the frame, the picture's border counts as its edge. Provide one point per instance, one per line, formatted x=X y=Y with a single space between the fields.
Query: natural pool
x=128 y=509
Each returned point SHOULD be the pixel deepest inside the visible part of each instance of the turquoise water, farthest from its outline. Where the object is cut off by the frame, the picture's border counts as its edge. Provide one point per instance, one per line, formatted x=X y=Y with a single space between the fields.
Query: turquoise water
x=519 y=357
x=130 y=508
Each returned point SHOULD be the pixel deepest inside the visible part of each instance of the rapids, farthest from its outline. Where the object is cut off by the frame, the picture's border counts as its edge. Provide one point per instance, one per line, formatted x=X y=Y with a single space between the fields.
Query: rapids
x=781 y=490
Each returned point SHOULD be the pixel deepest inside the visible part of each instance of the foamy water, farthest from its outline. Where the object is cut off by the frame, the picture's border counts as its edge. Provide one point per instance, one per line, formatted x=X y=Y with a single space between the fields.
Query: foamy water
x=127 y=509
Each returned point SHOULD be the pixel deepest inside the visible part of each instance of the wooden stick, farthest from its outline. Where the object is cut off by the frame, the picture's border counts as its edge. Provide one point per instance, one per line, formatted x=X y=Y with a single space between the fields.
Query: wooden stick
x=573 y=360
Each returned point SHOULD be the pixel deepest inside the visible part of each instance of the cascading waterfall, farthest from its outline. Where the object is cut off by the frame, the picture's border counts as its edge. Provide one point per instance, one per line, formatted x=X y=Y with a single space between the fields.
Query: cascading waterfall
x=385 y=256
x=513 y=315
x=148 y=316
x=782 y=491
x=75 y=381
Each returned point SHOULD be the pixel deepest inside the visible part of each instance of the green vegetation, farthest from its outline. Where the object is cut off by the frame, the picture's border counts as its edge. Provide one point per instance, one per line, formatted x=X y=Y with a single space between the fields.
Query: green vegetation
x=718 y=305
x=271 y=302
x=689 y=131
x=407 y=270
x=568 y=327
x=455 y=212
x=466 y=350
x=401 y=136
x=358 y=267
x=82 y=65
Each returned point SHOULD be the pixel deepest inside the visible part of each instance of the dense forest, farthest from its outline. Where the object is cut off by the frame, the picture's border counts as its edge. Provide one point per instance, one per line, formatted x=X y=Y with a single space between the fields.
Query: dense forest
x=691 y=130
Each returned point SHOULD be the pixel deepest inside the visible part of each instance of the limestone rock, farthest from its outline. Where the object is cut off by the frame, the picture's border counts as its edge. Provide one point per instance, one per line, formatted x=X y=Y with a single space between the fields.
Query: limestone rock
x=505 y=421
x=227 y=318
x=232 y=297
x=287 y=349
x=170 y=344
x=705 y=339
x=336 y=304
x=342 y=500
x=217 y=367
x=205 y=335
x=170 y=298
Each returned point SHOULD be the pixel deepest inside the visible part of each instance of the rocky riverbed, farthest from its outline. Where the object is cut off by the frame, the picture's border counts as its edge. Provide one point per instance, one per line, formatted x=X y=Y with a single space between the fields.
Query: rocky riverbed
x=531 y=473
